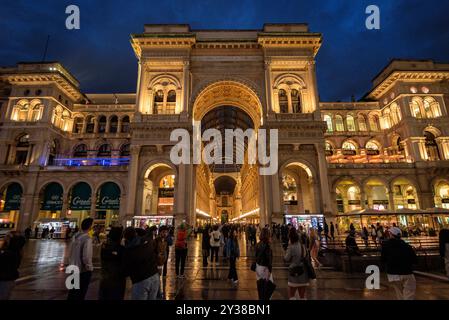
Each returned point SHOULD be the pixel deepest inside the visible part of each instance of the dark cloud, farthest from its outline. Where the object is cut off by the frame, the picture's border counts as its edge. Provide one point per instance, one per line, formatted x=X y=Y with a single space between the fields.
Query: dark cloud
x=100 y=56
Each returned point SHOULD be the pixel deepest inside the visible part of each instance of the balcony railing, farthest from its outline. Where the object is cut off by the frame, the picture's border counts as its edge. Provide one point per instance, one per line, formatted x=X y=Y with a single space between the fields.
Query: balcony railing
x=99 y=162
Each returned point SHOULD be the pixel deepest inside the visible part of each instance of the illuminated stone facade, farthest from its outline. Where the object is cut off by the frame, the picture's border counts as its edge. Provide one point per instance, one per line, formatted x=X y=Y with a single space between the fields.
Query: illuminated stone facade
x=388 y=151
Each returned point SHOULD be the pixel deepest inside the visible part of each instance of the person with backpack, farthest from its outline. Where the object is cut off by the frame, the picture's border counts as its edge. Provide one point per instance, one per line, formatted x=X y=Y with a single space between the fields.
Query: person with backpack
x=180 y=251
x=298 y=278
x=215 y=238
x=399 y=258
x=140 y=264
x=81 y=256
x=233 y=253
x=10 y=259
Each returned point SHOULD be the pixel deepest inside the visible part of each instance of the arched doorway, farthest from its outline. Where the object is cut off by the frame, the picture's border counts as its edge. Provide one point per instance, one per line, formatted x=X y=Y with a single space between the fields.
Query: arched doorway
x=10 y=201
x=348 y=196
x=441 y=190
x=108 y=204
x=377 y=195
x=405 y=195
x=80 y=202
x=158 y=196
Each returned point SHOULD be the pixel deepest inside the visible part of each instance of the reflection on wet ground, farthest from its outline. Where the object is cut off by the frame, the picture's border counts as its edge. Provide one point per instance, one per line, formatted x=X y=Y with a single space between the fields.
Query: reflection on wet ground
x=43 y=277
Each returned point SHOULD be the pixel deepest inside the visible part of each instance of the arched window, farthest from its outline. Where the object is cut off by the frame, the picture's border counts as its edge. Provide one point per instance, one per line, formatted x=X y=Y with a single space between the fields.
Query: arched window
x=415 y=107
x=395 y=113
x=387 y=119
x=329 y=149
x=105 y=150
x=125 y=150
x=349 y=148
x=432 y=108
x=362 y=123
x=350 y=123
x=328 y=121
x=22 y=148
x=283 y=101
x=125 y=124
x=78 y=125
x=171 y=102
x=431 y=147
x=23 y=111
x=296 y=101
x=35 y=112
x=339 y=126
x=80 y=151
x=158 y=102
x=102 y=124
x=374 y=123
x=372 y=148
x=113 y=124
x=171 y=96
x=57 y=116
x=90 y=124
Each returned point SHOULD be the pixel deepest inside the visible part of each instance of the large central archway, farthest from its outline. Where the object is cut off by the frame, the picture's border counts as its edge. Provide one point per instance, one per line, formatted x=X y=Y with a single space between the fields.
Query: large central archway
x=227 y=105
x=224 y=93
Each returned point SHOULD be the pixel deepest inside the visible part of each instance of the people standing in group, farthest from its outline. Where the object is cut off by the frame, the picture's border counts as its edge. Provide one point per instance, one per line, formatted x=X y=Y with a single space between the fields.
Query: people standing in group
x=10 y=259
x=113 y=282
x=225 y=235
x=215 y=238
x=444 y=248
x=81 y=257
x=140 y=264
x=298 y=278
x=233 y=253
x=162 y=248
x=314 y=248
x=399 y=258
x=264 y=261
x=205 y=245
x=332 y=227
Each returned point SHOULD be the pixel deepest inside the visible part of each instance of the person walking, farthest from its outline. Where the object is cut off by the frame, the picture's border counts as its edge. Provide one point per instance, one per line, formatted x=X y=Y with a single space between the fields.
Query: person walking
x=365 y=236
x=140 y=264
x=332 y=231
x=81 y=256
x=444 y=248
x=214 y=244
x=233 y=253
x=326 y=231
x=284 y=236
x=399 y=258
x=28 y=233
x=205 y=245
x=298 y=278
x=264 y=264
x=180 y=250
x=10 y=259
x=351 y=244
x=373 y=234
x=380 y=233
x=52 y=232
x=113 y=282
x=36 y=231
x=314 y=247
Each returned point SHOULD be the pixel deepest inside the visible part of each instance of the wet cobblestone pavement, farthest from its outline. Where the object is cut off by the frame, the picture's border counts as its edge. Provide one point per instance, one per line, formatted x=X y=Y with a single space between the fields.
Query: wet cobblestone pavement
x=42 y=277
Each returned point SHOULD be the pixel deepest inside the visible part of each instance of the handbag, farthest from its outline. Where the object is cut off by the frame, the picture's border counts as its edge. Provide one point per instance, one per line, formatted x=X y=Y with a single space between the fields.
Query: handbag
x=296 y=270
x=265 y=288
x=309 y=268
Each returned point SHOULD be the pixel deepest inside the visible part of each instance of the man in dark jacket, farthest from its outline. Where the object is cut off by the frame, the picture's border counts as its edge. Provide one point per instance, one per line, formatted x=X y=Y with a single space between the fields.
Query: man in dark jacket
x=140 y=264
x=205 y=245
x=399 y=258
x=10 y=258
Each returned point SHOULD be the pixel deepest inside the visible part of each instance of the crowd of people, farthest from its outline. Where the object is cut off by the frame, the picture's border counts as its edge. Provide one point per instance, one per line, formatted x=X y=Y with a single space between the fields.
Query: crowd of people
x=142 y=256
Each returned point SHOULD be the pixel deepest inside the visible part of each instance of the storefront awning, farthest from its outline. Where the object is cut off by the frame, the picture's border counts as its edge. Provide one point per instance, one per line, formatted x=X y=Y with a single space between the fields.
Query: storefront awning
x=53 y=196
x=13 y=197
x=109 y=197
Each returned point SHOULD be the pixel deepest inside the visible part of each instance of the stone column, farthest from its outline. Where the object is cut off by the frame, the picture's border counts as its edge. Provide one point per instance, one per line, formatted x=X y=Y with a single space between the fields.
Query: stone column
x=93 y=204
x=324 y=181
x=313 y=87
x=186 y=87
x=96 y=125
x=262 y=201
x=132 y=180
x=268 y=87
x=275 y=198
x=363 y=200
x=65 y=204
x=427 y=200
x=275 y=106
x=289 y=101
x=391 y=204
x=25 y=213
